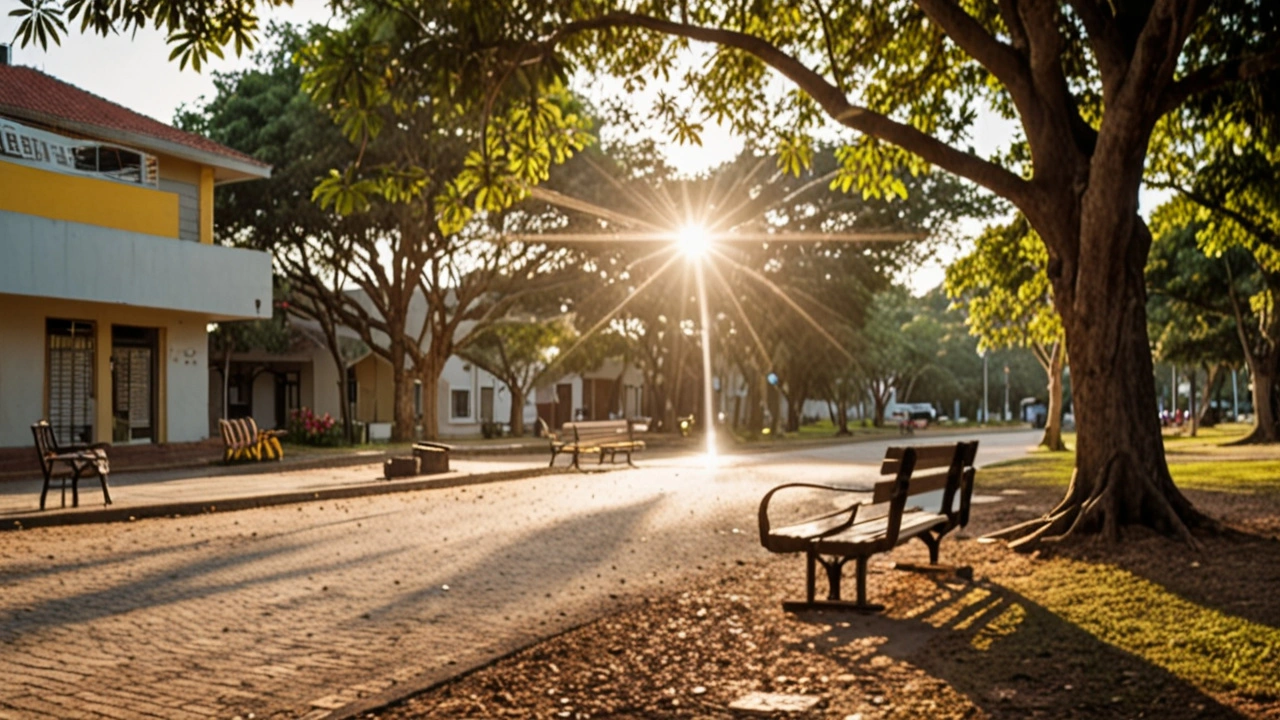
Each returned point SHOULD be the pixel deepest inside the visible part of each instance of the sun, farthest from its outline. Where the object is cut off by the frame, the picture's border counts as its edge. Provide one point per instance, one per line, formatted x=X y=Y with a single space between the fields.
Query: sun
x=693 y=240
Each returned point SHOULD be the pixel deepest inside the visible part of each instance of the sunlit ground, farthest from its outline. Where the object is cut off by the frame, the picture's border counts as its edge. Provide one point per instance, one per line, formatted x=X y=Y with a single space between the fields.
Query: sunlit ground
x=1204 y=462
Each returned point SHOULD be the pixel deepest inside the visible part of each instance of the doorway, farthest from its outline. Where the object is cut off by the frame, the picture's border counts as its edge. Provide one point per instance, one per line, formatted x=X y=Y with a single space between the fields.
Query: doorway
x=564 y=404
x=486 y=404
x=134 y=383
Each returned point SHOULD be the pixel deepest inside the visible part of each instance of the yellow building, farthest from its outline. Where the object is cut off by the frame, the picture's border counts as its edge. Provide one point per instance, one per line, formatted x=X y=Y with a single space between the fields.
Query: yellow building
x=109 y=275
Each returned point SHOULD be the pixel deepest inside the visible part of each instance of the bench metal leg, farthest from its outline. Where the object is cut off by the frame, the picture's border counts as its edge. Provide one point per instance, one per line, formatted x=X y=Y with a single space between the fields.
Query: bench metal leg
x=553 y=459
x=106 y=494
x=834 y=568
x=810 y=562
x=933 y=543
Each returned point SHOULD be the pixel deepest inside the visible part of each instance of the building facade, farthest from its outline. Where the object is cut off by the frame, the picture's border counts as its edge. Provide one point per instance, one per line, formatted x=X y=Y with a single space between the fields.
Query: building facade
x=109 y=275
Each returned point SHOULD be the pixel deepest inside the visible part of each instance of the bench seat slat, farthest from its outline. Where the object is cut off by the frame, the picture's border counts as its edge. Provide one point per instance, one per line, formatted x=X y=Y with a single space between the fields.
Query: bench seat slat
x=796 y=538
x=862 y=534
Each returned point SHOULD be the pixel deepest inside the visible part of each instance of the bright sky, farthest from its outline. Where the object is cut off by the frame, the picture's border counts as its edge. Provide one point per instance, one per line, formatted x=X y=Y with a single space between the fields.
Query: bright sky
x=134 y=71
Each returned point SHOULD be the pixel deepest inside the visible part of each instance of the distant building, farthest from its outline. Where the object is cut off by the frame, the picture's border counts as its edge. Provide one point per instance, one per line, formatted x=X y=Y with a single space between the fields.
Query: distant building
x=109 y=276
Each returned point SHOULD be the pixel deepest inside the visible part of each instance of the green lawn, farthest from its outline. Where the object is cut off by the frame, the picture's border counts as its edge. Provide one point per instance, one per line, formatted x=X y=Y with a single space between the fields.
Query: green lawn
x=1245 y=469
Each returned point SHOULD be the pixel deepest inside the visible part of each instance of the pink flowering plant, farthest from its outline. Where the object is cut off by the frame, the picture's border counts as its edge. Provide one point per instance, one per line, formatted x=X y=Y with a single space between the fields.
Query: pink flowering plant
x=308 y=428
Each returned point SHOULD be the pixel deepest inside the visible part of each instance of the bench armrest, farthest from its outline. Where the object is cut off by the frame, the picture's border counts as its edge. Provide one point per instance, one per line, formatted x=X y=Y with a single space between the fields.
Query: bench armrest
x=768 y=497
x=966 y=494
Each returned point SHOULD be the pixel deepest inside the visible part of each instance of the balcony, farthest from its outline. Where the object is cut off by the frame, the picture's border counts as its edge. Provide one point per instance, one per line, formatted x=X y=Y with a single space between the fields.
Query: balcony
x=46 y=257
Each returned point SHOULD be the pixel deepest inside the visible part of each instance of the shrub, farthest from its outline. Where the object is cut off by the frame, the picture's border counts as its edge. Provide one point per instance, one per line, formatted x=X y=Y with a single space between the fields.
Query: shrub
x=310 y=429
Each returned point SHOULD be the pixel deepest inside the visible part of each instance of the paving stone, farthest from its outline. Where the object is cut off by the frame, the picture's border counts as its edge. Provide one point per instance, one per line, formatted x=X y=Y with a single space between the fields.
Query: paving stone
x=142 y=606
x=762 y=703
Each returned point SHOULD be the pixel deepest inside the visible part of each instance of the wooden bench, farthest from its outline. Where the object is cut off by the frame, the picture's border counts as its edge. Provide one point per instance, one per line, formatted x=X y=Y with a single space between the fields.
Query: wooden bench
x=862 y=528
x=77 y=459
x=606 y=437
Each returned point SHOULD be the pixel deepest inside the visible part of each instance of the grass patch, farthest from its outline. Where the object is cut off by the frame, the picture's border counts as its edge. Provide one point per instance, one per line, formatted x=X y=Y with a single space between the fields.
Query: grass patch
x=1209 y=648
x=1045 y=469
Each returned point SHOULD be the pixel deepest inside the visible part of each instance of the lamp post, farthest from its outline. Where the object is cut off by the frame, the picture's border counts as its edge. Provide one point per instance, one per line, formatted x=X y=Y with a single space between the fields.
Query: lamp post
x=1007 y=417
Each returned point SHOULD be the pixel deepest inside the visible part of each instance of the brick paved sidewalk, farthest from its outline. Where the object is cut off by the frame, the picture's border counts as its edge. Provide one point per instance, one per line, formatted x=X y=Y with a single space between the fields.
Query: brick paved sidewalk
x=184 y=492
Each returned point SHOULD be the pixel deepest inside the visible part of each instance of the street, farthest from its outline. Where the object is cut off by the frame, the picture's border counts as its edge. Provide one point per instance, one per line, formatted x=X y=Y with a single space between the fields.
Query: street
x=298 y=609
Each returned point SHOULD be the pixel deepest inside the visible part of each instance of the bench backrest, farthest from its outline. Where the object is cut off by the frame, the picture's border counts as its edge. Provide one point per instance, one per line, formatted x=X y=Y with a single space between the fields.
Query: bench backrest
x=948 y=468
x=599 y=430
x=46 y=444
x=224 y=428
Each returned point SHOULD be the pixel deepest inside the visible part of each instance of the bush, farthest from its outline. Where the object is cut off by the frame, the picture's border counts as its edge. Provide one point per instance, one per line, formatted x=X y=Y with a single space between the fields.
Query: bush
x=310 y=429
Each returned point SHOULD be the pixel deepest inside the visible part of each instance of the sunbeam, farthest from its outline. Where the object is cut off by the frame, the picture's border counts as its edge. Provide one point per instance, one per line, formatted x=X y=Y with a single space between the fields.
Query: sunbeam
x=752 y=273
x=733 y=298
x=617 y=309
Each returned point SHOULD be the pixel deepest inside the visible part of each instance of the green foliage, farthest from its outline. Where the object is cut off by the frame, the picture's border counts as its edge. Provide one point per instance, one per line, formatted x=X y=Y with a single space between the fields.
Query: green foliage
x=1003 y=287
x=520 y=350
x=195 y=29
x=1190 y=316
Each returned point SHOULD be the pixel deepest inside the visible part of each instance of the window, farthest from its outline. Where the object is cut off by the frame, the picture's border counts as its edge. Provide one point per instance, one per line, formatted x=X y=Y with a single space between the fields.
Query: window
x=417 y=398
x=71 y=355
x=461 y=408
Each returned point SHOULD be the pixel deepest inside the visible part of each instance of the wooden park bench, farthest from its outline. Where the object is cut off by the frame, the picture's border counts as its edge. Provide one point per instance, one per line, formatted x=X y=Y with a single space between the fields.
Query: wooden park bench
x=76 y=459
x=862 y=528
x=606 y=437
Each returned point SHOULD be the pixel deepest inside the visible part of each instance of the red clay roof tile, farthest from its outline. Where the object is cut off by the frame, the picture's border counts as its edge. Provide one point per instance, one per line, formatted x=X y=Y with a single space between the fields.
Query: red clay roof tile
x=28 y=89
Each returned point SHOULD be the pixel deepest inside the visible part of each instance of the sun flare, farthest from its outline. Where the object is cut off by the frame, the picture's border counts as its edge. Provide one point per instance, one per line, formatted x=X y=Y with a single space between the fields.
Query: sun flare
x=694 y=241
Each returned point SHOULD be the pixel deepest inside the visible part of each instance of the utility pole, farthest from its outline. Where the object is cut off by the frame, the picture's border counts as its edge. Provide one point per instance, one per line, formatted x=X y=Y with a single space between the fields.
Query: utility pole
x=1007 y=416
x=1235 y=397
x=986 y=412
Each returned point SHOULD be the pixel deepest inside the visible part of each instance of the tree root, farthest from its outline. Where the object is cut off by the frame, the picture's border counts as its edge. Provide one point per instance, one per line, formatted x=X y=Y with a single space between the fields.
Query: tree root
x=1107 y=507
x=1256 y=436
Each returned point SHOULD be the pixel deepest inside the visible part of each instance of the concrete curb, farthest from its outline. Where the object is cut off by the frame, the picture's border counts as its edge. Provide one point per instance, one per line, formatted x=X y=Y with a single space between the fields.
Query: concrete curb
x=380 y=487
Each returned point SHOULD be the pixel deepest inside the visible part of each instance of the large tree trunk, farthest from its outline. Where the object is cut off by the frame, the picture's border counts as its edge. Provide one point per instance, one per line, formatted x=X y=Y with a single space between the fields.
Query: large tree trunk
x=1052 y=439
x=429 y=376
x=516 y=418
x=881 y=401
x=1262 y=376
x=403 y=420
x=1263 y=362
x=1207 y=417
x=1121 y=476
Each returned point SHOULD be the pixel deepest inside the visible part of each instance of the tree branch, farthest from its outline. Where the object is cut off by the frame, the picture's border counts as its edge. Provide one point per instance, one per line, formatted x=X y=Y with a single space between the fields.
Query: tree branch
x=1104 y=41
x=828 y=96
x=1002 y=60
x=1212 y=77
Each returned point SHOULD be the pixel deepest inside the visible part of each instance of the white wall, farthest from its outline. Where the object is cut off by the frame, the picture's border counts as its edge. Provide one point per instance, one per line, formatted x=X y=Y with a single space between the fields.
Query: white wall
x=21 y=376
x=59 y=259
x=187 y=379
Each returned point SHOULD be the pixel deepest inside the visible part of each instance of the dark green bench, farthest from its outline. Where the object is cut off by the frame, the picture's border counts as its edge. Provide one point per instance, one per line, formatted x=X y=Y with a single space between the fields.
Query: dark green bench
x=862 y=528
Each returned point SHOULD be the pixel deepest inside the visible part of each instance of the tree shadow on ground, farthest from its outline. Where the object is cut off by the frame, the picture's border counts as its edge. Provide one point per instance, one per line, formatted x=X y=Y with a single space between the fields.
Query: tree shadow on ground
x=1233 y=571
x=1003 y=652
